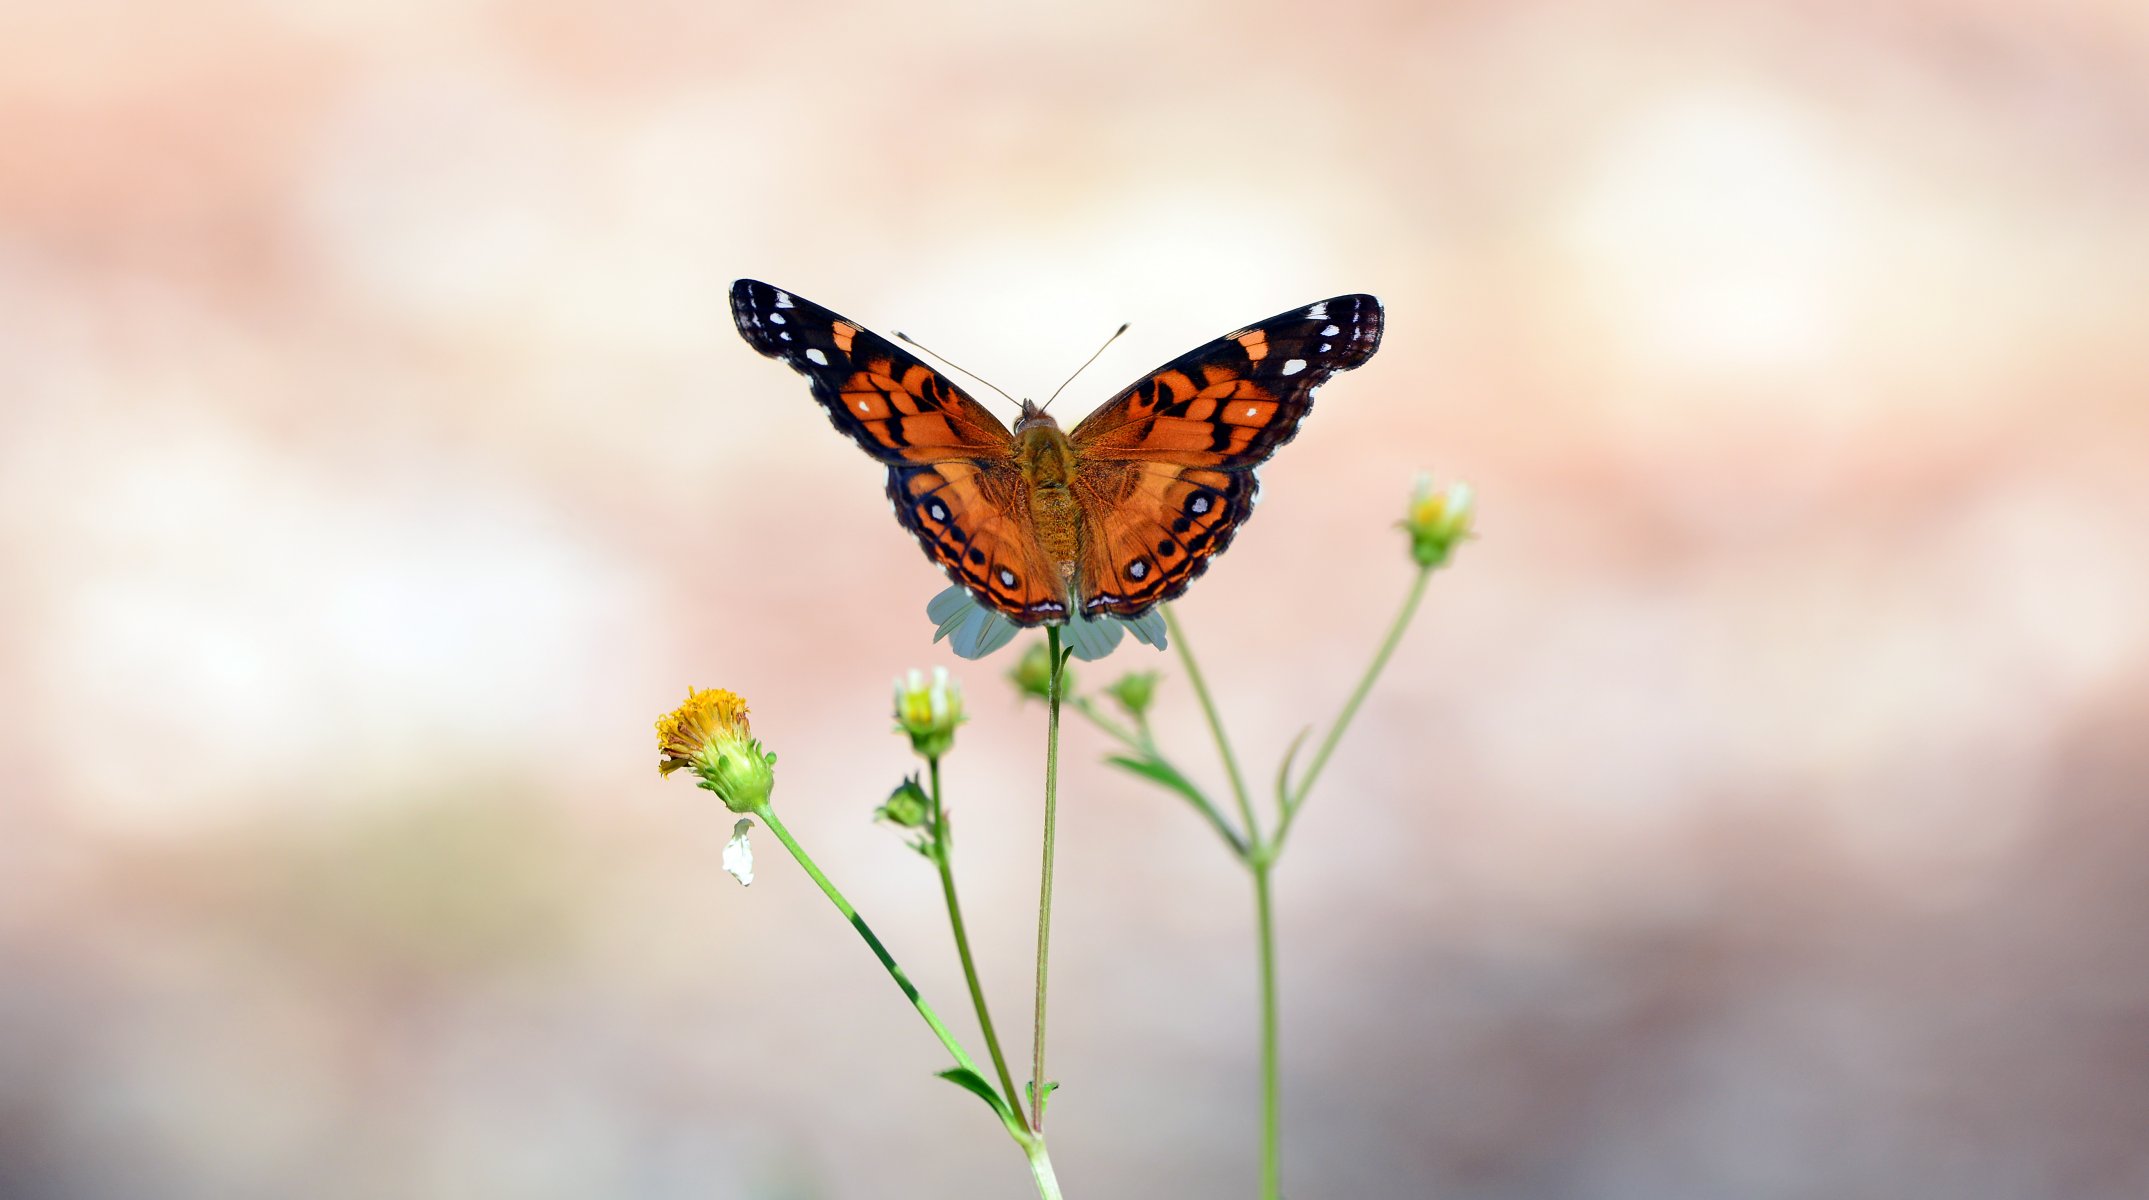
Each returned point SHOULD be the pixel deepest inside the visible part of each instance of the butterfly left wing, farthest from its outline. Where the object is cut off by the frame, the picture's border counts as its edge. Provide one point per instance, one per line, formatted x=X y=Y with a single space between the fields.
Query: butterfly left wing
x=1165 y=474
x=894 y=406
x=951 y=471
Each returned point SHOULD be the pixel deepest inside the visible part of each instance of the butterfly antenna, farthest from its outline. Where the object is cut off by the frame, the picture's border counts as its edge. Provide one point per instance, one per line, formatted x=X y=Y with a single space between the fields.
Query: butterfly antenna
x=1085 y=366
x=908 y=340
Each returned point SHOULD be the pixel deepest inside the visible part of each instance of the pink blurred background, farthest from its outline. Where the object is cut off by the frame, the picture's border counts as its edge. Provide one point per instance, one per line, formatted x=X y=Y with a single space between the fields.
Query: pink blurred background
x=1758 y=809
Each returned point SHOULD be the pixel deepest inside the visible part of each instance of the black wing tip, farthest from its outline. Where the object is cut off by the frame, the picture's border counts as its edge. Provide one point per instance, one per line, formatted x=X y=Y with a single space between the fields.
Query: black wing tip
x=1368 y=319
x=751 y=301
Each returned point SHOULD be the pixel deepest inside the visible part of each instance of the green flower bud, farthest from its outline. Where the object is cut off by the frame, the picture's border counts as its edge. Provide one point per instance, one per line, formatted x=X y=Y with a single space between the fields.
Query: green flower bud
x=929 y=712
x=907 y=805
x=1134 y=691
x=1032 y=674
x=1438 y=521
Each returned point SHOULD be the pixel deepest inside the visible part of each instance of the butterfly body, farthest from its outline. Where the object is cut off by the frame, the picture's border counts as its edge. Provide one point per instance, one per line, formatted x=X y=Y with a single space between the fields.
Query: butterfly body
x=1041 y=523
x=1048 y=465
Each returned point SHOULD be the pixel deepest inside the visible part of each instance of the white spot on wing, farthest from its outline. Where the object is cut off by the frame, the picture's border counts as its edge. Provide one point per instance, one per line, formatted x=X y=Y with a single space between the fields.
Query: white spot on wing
x=775 y=318
x=821 y=360
x=1332 y=331
x=783 y=300
x=1294 y=366
x=939 y=513
x=1200 y=505
x=1137 y=569
x=865 y=406
x=1318 y=312
x=1251 y=410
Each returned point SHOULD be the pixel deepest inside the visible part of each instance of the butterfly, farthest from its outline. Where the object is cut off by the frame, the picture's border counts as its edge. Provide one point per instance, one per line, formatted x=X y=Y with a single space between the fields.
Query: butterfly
x=1109 y=519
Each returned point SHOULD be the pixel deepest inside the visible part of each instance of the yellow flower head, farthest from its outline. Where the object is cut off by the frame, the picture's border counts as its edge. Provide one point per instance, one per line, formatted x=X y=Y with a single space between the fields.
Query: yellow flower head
x=929 y=711
x=709 y=735
x=1438 y=520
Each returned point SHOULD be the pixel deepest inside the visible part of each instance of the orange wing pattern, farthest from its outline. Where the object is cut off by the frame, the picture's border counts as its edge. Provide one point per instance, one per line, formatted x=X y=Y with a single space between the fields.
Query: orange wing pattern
x=897 y=408
x=1232 y=402
x=1149 y=529
x=1163 y=473
x=973 y=520
x=1166 y=468
x=951 y=470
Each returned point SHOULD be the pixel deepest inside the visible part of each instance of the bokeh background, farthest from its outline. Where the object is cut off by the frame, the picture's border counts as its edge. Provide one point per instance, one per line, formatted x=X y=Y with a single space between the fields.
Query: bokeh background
x=1758 y=809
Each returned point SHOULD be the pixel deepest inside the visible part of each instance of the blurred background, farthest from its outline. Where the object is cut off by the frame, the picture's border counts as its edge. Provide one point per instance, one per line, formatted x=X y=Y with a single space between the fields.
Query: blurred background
x=1757 y=810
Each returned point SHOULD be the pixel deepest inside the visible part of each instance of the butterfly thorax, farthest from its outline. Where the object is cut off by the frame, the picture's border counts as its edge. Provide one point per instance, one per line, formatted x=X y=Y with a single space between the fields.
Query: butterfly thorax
x=1047 y=461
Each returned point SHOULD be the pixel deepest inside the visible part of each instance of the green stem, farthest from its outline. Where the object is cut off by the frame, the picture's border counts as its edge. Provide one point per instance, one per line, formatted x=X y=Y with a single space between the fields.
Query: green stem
x=1271 y=1084
x=1048 y=1184
x=1292 y=800
x=910 y=990
x=1145 y=746
x=1216 y=729
x=1111 y=728
x=1033 y=1146
x=1044 y=886
x=942 y=845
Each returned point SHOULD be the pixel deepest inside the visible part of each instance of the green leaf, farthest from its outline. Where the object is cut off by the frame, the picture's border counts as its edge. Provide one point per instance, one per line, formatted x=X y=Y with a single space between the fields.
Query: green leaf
x=1160 y=772
x=974 y=1083
x=1051 y=1086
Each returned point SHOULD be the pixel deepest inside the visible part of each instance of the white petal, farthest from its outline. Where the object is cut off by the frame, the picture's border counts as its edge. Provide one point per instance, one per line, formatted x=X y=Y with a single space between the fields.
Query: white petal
x=739 y=853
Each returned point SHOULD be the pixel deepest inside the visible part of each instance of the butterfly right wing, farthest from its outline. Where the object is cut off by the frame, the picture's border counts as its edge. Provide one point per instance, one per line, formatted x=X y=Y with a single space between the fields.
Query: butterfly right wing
x=894 y=406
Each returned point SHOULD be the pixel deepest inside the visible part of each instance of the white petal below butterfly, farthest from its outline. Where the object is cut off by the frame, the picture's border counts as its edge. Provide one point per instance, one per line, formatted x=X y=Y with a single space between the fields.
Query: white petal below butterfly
x=739 y=853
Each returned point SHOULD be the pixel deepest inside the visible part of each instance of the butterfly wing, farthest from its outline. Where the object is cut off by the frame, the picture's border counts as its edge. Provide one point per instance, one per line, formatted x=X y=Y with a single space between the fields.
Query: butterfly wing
x=1166 y=468
x=951 y=471
x=894 y=406
x=972 y=520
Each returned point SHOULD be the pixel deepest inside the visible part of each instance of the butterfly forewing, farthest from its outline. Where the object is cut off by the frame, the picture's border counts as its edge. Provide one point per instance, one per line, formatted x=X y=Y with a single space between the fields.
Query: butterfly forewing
x=896 y=407
x=1232 y=402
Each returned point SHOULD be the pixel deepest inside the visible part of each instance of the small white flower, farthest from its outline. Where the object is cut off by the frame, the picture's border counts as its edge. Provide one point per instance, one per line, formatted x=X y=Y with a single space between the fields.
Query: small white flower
x=739 y=853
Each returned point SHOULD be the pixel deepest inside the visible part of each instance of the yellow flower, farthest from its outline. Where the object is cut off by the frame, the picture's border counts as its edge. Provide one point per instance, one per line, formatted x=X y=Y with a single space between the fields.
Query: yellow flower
x=1438 y=521
x=929 y=712
x=709 y=735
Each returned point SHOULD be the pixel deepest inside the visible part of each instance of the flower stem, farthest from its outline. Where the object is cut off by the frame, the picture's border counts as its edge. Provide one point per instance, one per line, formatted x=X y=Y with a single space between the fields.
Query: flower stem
x=1271 y=1082
x=1044 y=893
x=1048 y=1184
x=910 y=990
x=1216 y=729
x=1033 y=1145
x=1291 y=800
x=942 y=847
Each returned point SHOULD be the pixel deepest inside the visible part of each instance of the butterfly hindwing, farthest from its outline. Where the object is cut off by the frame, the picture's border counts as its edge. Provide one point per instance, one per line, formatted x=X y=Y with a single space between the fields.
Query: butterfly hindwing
x=896 y=407
x=1232 y=402
x=970 y=519
x=1150 y=528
